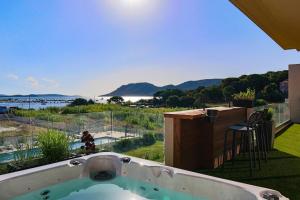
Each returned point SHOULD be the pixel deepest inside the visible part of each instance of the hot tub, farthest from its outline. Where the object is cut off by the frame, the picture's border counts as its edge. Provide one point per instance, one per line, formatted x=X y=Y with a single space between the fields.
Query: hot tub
x=112 y=176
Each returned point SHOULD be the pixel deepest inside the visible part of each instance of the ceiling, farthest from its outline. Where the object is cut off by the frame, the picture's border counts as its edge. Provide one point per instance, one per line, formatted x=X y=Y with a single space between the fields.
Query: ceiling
x=280 y=19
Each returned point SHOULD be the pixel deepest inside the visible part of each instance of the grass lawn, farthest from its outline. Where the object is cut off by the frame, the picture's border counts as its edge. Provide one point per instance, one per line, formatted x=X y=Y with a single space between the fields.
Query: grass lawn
x=153 y=152
x=289 y=142
x=281 y=172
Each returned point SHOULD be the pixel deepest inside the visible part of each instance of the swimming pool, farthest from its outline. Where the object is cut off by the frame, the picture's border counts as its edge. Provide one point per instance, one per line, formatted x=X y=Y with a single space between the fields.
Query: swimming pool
x=128 y=179
x=97 y=141
x=6 y=157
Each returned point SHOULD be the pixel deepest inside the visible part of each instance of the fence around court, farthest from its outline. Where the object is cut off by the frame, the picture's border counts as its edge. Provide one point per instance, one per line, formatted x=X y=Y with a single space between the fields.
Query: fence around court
x=17 y=132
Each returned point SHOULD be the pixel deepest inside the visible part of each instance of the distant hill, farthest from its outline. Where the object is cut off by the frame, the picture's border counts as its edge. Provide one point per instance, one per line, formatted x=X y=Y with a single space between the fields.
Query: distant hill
x=148 y=89
x=37 y=95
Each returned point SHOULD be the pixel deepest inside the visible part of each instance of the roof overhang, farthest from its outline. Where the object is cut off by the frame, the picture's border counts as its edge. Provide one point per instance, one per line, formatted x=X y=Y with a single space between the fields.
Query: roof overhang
x=280 y=19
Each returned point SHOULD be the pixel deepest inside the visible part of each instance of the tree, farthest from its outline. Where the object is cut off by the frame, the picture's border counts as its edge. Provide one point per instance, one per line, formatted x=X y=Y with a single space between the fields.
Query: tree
x=145 y=102
x=173 y=101
x=213 y=94
x=228 y=91
x=277 y=77
x=91 y=101
x=186 y=101
x=116 y=100
x=229 y=81
x=162 y=96
x=271 y=93
x=79 y=102
x=200 y=101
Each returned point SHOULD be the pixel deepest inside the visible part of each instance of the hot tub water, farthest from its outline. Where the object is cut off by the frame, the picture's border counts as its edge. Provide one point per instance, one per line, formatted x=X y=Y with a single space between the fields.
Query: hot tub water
x=120 y=187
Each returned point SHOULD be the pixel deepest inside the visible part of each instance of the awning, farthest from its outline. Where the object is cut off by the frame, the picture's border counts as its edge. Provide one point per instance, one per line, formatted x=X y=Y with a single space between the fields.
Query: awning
x=280 y=19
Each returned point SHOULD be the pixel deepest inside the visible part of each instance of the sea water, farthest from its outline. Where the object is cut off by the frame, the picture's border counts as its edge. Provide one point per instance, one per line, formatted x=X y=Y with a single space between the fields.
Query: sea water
x=120 y=188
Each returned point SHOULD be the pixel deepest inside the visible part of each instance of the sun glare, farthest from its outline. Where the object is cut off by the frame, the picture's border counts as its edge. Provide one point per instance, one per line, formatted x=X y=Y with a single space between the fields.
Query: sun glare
x=134 y=10
x=135 y=3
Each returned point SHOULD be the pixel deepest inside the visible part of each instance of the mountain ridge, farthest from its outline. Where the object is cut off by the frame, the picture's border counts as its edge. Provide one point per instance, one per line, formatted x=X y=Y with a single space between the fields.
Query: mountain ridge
x=148 y=89
x=38 y=95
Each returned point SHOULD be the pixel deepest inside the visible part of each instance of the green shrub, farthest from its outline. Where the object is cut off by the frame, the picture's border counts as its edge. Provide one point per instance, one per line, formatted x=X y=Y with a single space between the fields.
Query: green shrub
x=248 y=95
x=260 y=102
x=148 y=139
x=137 y=142
x=149 y=125
x=54 y=145
x=123 y=145
x=270 y=114
x=129 y=144
x=159 y=136
x=53 y=109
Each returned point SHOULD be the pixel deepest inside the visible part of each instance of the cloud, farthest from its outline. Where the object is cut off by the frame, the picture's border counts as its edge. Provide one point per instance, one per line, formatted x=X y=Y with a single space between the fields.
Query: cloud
x=13 y=77
x=50 y=83
x=44 y=84
x=33 y=82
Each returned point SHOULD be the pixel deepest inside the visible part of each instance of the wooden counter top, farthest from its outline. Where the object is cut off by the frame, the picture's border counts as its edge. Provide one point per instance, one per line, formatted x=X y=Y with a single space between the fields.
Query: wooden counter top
x=194 y=114
x=186 y=114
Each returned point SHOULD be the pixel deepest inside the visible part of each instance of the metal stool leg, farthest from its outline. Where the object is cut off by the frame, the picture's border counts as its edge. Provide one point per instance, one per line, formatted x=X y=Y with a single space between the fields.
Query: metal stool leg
x=245 y=146
x=241 y=143
x=253 y=147
x=233 y=150
x=264 y=138
x=267 y=137
x=263 y=141
x=250 y=153
x=258 y=146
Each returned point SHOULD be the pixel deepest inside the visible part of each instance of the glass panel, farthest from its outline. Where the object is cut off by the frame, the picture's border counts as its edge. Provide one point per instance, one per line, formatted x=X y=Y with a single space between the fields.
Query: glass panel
x=281 y=112
x=118 y=131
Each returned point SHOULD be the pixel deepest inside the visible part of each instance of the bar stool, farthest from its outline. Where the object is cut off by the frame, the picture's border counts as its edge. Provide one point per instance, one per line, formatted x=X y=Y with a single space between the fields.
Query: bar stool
x=247 y=131
x=263 y=133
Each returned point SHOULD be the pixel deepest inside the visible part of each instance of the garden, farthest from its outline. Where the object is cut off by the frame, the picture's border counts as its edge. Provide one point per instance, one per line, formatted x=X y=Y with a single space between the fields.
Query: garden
x=54 y=146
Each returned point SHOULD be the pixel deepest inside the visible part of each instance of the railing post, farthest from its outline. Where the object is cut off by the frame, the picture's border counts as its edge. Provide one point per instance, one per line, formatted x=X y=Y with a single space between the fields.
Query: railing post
x=111 y=122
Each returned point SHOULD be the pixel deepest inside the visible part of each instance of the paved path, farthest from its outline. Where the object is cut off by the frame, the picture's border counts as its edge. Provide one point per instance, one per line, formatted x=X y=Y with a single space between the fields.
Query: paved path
x=114 y=134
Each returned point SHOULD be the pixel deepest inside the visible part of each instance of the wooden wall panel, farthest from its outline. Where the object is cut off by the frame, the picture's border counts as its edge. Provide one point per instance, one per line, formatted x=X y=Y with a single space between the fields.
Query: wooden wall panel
x=199 y=143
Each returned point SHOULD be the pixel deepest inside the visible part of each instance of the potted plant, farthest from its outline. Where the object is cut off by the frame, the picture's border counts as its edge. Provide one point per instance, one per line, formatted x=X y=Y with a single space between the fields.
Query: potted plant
x=245 y=100
x=269 y=127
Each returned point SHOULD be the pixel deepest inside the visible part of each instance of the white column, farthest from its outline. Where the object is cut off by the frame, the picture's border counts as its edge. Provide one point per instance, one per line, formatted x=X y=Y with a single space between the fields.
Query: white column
x=169 y=141
x=294 y=92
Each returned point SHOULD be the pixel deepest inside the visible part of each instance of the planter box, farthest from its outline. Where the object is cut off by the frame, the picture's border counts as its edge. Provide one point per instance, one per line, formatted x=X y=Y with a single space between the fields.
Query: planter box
x=270 y=131
x=243 y=103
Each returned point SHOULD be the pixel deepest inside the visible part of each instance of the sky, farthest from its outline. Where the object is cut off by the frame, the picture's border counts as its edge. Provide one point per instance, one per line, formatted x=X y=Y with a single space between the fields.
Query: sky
x=89 y=48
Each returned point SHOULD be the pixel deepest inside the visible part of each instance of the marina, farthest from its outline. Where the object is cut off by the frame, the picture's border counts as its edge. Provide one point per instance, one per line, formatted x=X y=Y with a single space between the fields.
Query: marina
x=36 y=102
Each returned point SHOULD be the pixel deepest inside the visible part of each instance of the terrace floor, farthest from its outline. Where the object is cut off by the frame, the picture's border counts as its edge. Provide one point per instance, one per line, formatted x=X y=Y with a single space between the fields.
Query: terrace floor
x=281 y=172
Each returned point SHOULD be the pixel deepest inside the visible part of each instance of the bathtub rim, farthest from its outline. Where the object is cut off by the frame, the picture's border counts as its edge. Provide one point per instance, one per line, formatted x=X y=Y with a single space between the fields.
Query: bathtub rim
x=255 y=190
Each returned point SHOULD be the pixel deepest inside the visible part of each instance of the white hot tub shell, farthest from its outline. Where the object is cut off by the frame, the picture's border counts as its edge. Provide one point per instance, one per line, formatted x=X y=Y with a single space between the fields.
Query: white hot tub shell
x=199 y=185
